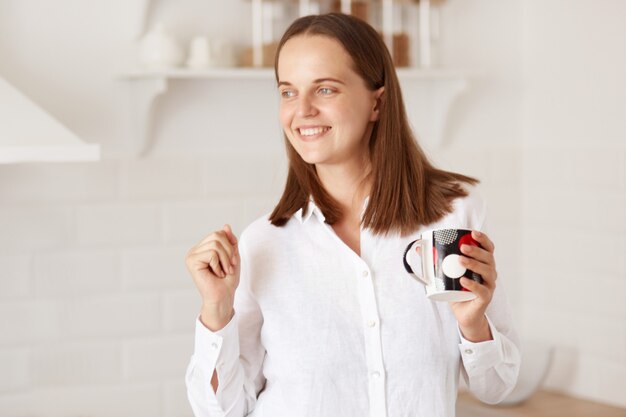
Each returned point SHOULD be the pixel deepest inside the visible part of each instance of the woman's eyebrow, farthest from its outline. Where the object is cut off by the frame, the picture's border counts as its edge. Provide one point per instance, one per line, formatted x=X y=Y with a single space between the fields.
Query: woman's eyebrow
x=317 y=81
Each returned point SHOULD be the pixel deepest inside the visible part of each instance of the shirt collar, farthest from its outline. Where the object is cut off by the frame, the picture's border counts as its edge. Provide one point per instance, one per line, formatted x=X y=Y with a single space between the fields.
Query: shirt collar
x=314 y=209
x=311 y=209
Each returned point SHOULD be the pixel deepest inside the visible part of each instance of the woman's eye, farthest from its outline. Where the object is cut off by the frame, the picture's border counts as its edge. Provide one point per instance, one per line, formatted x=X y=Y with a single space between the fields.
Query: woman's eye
x=325 y=91
x=287 y=93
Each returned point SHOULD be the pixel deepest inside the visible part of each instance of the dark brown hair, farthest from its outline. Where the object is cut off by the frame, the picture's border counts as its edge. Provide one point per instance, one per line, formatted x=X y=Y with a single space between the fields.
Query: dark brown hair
x=407 y=190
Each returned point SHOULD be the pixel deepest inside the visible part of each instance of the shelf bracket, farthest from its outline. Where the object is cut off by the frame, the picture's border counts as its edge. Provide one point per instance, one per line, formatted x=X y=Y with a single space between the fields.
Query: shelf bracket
x=143 y=95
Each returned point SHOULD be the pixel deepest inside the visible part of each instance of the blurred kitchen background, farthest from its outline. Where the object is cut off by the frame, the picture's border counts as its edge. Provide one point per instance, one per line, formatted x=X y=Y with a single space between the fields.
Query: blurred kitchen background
x=96 y=308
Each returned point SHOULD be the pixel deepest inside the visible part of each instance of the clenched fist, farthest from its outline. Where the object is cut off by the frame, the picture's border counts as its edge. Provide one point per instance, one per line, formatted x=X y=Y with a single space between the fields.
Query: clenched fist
x=214 y=265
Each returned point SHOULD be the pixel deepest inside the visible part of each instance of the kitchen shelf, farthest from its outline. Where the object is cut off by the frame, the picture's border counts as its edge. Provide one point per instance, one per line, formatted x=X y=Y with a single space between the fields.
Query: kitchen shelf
x=428 y=95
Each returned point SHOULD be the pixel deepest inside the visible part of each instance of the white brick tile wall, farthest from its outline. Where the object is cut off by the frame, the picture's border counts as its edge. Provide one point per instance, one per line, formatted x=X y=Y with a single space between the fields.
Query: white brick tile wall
x=155 y=268
x=162 y=178
x=76 y=273
x=623 y=175
x=187 y=223
x=543 y=165
x=602 y=336
x=29 y=321
x=76 y=364
x=610 y=384
x=505 y=167
x=475 y=162
x=180 y=309
x=175 y=403
x=110 y=400
x=573 y=265
x=46 y=183
x=596 y=169
x=111 y=316
x=244 y=174
x=504 y=206
x=253 y=209
x=113 y=225
x=14 y=366
x=34 y=227
x=608 y=294
x=15 y=276
x=588 y=376
x=157 y=358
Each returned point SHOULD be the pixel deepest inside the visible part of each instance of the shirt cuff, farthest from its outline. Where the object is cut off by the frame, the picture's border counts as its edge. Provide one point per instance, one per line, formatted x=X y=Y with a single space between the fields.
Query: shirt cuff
x=217 y=350
x=478 y=357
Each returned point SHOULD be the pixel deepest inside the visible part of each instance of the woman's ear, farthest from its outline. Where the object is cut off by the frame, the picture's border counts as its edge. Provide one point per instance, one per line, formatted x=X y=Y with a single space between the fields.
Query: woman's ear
x=378 y=96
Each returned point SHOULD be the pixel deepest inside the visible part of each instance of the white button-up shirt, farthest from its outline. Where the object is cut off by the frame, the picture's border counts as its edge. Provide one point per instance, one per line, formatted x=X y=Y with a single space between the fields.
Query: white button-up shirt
x=320 y=331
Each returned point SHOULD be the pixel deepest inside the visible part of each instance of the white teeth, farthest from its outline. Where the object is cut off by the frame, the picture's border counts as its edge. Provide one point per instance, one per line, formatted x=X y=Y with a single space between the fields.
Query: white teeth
x=313 y=131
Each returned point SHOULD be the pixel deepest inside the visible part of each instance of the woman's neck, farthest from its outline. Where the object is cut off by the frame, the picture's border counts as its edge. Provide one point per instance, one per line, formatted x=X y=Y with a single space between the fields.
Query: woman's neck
x=348 y=185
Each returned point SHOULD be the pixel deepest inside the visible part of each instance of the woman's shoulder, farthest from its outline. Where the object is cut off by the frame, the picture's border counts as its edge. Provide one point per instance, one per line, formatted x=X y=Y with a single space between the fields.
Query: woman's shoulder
x=262 y=232
x=473 y=201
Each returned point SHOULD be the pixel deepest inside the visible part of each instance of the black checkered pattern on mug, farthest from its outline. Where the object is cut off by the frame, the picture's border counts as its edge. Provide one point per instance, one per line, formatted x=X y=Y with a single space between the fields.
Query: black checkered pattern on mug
x=445 y=236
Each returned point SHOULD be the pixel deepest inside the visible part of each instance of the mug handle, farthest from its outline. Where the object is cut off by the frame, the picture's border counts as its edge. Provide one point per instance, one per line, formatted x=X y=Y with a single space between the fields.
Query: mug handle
x=409 y=259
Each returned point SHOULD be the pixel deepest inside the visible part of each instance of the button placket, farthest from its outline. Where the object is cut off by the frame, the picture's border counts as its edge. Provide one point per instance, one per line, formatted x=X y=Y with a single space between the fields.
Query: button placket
x=373 y=342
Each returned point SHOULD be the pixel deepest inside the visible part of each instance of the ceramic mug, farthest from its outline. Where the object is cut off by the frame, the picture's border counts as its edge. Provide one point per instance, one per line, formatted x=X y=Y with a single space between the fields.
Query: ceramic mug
x=199 y=55
x=441 y=271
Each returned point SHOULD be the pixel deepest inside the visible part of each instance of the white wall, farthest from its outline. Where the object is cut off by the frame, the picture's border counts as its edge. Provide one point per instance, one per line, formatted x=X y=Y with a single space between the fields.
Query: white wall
x=574 y=191
x=96 y=309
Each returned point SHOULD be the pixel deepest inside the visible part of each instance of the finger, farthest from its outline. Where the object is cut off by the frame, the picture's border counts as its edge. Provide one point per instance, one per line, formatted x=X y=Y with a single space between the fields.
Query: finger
x=220 y=236
x=488 y=272
x=215 y=265
x=223 y=256
x=206 y=260
x=216 y=235
x=484 y=240
x=233 y=240
x=212 y=244
x=480 y=290
x=229 y=232
x=479 y=254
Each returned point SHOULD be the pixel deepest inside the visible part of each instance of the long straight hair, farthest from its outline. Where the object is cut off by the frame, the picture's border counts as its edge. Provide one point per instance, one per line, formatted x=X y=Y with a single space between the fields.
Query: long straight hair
x=407 y=190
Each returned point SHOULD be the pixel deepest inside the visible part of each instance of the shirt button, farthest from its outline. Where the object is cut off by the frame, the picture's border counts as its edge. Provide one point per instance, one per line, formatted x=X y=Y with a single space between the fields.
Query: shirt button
x=365 y=273
x=371 y=323
x=214 y=345
x=469 y=351
x=376 y=374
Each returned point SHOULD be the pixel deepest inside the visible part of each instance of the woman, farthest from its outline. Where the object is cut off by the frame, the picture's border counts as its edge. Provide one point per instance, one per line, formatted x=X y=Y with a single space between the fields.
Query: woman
x=311 y=312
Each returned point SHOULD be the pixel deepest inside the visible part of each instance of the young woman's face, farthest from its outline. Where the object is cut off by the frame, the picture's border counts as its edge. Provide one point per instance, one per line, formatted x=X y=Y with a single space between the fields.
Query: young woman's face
x=326 y=110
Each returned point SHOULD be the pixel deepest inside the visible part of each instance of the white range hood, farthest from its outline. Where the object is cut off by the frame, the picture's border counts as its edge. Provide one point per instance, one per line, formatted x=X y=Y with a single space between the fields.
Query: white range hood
x=29 y=134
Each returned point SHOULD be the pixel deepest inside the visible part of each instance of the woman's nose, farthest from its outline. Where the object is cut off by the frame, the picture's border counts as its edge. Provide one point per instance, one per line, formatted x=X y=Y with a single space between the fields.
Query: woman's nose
x=306 y=107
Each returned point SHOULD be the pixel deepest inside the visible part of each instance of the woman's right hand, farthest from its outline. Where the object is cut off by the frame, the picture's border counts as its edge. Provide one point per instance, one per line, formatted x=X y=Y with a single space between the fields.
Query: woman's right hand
x=214 y=265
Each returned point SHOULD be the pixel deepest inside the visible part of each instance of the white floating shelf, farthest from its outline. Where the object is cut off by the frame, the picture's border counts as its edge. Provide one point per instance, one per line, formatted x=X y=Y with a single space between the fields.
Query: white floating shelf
x=428 y=96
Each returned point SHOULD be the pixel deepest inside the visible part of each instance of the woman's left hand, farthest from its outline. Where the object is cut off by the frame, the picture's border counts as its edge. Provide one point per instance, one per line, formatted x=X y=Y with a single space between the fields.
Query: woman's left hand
x=471 y=314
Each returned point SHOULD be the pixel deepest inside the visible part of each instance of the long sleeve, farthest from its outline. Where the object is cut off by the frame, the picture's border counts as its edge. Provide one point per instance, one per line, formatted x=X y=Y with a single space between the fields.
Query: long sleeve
x=491 y=368
x=234 y=352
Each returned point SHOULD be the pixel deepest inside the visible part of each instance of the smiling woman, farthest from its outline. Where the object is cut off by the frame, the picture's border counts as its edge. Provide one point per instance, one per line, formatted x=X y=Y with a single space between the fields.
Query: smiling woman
x=310 y=312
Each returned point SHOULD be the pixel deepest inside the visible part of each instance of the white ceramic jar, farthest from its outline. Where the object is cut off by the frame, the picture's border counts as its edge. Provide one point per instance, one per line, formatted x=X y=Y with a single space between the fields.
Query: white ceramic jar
x=160 y=50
